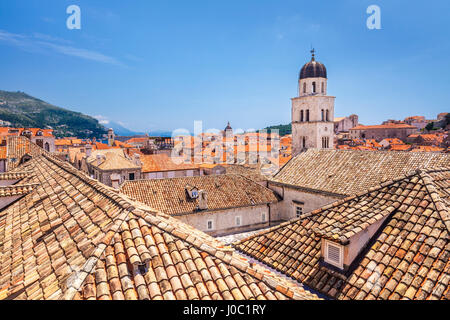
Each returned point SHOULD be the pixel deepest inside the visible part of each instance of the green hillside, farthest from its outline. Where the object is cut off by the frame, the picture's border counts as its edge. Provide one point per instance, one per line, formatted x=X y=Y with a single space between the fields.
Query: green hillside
x=284 y=129
x=22 y=110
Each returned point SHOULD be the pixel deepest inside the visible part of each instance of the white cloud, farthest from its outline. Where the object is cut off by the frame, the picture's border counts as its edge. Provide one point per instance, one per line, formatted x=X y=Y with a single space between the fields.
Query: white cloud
x=41 y=43
x=101 y=119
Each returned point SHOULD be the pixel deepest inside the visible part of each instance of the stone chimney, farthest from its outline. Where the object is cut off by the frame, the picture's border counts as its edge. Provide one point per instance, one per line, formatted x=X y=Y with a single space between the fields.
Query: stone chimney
x=137 y=159
x=100 y=159
x=202 y=200
x=115 y=180
x=88 y=150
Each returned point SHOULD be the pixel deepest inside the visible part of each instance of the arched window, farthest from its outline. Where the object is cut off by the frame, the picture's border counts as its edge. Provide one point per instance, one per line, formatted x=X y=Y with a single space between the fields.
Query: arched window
x=301 y=116
x=322 y=115
x=304 y=142
x=323 y=87
x=304 y=87
x=314 y=87
x=47 y=147
x=328 y=118
x=307 y=115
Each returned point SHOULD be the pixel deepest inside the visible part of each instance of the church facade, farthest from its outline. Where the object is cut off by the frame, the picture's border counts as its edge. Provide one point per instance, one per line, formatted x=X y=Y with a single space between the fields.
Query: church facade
x=312 y=110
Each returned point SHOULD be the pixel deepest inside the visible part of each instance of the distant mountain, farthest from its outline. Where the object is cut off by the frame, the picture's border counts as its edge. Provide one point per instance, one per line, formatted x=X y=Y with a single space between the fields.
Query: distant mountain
x=21 y=110
x=120 y=130
x=160 y=133
x=284 y=129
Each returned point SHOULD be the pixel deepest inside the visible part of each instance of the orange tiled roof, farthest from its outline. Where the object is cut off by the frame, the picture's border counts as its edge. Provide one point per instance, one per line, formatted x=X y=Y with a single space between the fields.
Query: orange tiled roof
x=400 y=147
x=136 y=140
x=346 y=172
x=75 y=238
x=18 y=147
x=224 y=192
x=101 y=146
x=385 y=126
x=162 y=162
x=3 y=152
x=7 y=131
x=408 y=258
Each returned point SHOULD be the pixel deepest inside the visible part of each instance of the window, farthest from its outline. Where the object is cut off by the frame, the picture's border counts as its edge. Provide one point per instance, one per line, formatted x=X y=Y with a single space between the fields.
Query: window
x=131 y=176
x=298 y=211
x=328 y=118
x=304 y=142
x=263 y=217
x=304 y=87
x=323 y=87
x=301 y=116
x=314 y=87
x=323 y=116
x=334 y=254
x=209 y=225
x=238 y=221
x=325 y=142
x=307 y=115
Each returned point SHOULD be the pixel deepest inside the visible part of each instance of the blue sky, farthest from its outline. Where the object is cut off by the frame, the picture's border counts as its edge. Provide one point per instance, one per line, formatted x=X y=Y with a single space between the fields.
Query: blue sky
x=163 y=64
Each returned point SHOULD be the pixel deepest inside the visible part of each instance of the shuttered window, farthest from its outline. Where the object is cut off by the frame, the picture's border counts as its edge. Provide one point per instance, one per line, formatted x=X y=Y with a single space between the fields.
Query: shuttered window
x=334 y=254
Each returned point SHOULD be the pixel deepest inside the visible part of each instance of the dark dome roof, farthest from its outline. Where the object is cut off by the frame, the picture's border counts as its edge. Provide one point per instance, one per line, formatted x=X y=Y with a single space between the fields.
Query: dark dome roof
x=313 y=69
x=228 y=127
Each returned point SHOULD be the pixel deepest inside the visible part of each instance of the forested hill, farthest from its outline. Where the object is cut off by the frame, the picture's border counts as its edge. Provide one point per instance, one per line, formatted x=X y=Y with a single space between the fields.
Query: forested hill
x=17 y=109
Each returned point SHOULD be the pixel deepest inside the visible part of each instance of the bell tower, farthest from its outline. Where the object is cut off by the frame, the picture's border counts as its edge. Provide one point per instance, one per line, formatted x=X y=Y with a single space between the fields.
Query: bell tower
x=312 y=110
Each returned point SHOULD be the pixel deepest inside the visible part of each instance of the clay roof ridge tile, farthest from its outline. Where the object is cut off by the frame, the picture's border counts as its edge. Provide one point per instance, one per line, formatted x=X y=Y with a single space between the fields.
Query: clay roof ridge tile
x=440 y=204
x=78 y=278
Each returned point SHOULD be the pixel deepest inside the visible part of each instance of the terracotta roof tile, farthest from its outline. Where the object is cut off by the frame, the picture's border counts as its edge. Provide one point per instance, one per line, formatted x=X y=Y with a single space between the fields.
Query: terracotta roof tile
x=347 y=172
x=224 y=191
x=74 y=238
x=407 y=259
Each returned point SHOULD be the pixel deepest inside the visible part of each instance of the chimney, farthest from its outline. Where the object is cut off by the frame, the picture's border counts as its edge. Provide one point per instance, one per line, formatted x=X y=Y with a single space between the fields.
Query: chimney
x=202 y=200
x=115 y=180
x=137 y=159
x=100 y=158
x=88 y=150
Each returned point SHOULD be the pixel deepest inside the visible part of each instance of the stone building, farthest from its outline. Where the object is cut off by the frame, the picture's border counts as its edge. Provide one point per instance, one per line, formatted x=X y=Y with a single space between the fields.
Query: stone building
x=383 y=131
x=312 y=110
x=112 y=169
x=161 y=166
x=316 y=178
x=44 y=138
x=389 y=242
x=217 y=204
x=344 y=124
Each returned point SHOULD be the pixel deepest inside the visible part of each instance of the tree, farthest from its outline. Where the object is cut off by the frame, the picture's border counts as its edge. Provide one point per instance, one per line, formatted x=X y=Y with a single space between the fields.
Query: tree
x=430 y=126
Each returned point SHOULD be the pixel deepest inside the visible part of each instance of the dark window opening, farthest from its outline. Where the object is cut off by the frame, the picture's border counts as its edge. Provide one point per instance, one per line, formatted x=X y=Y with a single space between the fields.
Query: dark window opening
x=307 y=115
x=143 y=269
x=131 y=176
